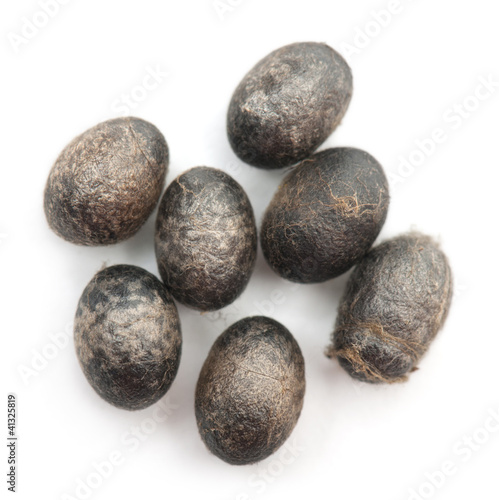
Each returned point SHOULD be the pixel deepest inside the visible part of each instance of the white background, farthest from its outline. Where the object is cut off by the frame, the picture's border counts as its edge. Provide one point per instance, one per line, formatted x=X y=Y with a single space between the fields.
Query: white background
x=352 y=441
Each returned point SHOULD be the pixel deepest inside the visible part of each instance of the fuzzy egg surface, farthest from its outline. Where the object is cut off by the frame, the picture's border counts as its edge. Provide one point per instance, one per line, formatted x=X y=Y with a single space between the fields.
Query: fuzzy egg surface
x=206 y=239
x=325 y=215
x=127 y=336
x=395 y=302
x=250 y=391
x=106 y=182
x=288 y=104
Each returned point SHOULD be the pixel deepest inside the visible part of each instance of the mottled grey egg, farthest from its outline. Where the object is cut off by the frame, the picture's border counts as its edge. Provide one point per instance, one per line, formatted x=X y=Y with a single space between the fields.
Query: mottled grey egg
x=127 y=336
